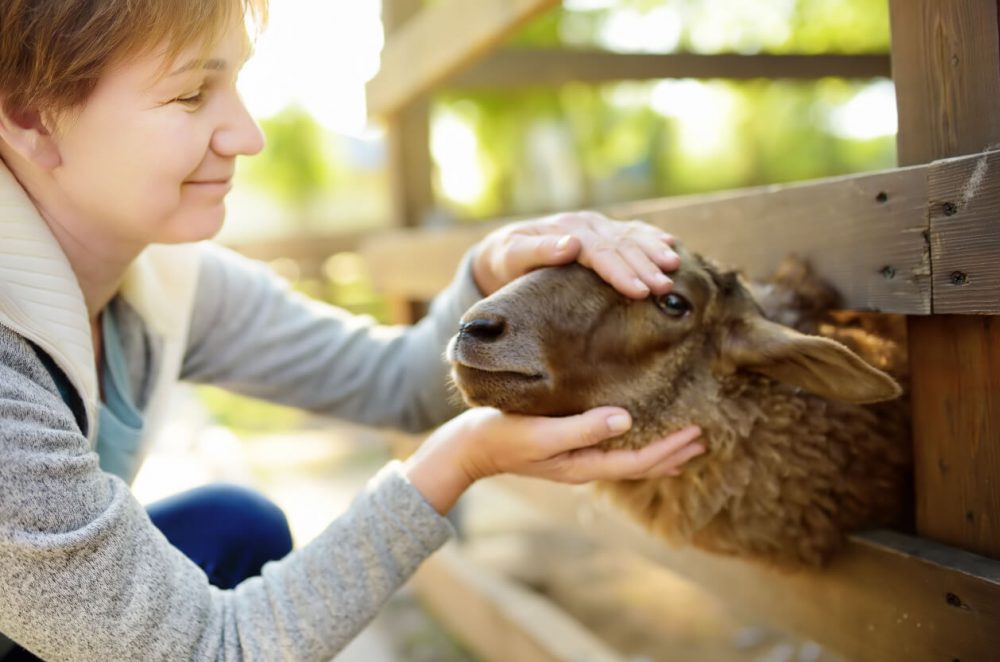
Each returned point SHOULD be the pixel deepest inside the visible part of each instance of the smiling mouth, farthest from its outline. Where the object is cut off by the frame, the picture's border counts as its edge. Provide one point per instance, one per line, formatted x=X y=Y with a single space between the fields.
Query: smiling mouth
x=212 y=188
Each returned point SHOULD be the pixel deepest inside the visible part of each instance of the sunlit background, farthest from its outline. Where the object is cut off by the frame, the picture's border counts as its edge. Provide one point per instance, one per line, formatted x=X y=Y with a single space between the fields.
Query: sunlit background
x=533 y=150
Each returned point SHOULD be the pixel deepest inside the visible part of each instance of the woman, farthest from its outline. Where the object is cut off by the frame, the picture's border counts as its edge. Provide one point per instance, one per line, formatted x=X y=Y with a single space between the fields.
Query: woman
x=119 y=128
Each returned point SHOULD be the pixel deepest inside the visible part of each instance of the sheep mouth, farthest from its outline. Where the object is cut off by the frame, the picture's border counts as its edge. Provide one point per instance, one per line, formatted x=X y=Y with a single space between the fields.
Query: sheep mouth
x=507 y=390
x=467 y=372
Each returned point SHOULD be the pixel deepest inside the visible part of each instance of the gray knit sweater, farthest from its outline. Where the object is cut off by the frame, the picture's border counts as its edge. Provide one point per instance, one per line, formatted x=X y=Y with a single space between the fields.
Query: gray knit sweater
x=84 y=575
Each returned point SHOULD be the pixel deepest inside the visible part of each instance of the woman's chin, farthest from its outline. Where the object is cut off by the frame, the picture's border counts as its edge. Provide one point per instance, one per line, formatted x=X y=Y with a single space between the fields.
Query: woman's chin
x=205 y=224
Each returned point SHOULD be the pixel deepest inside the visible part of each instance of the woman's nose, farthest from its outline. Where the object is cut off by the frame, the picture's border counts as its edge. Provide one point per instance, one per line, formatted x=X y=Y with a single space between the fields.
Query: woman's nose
x=239 y=135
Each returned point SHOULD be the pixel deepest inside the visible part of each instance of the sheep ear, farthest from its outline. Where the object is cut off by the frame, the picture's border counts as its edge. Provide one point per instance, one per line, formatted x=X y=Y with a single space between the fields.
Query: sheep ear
x=818 y=365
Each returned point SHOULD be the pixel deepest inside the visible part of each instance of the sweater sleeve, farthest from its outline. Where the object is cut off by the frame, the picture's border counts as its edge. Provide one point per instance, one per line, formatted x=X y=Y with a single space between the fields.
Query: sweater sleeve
x=86 y=575
x=251 y=334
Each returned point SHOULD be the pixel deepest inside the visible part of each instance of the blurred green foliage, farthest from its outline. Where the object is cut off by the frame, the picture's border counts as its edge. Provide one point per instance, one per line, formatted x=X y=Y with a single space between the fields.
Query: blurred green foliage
x=293 y=166
x=744 y=26
x=624 y=148
x=247 y=417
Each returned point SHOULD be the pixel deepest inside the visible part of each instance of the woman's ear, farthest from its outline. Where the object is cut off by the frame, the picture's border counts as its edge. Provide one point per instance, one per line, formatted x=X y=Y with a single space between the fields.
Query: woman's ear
x=28 y=134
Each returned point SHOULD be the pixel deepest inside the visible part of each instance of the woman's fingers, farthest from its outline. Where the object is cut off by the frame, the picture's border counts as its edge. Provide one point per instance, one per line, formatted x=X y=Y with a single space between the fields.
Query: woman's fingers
x=605 y=259
x=657 y=459
x=645 y=269
x=630 y=255
x=556 y=436
x=673 y=463
x=519 y=252
x=632 y=258
x=660 y=457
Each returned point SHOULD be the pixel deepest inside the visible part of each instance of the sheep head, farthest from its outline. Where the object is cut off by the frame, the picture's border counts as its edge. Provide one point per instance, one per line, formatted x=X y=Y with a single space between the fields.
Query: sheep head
x=559 y=341
x=794 y=461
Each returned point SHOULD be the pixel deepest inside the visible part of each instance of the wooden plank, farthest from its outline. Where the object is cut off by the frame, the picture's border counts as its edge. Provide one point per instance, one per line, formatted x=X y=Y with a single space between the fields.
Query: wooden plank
x=417 y=264
x=310 y=247
x=408 y=139
x=547 y=67
x=965 y=235
x=499 y=620
x=441 y=40
x=946 y=66
x=958 y=391
x=867 y=234
x=864 y=233
x=888 y=596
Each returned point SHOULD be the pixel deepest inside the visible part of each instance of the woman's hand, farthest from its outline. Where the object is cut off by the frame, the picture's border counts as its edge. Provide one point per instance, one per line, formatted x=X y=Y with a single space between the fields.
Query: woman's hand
x=484 y=442
x=630 y=255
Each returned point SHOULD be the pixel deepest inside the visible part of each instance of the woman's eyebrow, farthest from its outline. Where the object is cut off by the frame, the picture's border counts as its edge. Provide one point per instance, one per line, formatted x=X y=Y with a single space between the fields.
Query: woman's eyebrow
x=214 y=64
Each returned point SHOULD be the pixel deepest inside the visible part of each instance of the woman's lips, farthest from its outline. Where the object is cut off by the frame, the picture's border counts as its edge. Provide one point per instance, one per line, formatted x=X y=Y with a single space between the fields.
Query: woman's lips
x=218 y=186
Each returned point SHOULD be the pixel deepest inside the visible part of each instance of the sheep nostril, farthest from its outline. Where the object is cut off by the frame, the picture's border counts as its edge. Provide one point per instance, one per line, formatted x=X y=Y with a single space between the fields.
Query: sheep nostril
x=484 y=330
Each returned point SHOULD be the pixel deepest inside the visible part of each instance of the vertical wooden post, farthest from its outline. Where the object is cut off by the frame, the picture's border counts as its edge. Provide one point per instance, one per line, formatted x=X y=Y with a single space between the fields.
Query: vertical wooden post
x=408 y=136
x=946 y=67
x=408 y=142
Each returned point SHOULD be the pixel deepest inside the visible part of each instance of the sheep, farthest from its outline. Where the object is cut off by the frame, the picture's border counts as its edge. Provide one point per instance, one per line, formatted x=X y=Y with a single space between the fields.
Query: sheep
x=805 y=440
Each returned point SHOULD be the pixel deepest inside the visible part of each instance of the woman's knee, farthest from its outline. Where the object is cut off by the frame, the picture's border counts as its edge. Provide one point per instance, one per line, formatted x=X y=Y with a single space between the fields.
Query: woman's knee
x=224 y=526
x=249 y=519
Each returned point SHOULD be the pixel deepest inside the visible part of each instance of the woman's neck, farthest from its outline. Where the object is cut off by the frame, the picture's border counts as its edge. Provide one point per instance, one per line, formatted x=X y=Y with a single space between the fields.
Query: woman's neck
x=99 y=261
x=99 y=269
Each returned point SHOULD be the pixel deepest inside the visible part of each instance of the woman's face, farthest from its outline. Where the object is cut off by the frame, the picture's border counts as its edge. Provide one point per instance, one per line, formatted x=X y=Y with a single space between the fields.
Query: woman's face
x=149 y=157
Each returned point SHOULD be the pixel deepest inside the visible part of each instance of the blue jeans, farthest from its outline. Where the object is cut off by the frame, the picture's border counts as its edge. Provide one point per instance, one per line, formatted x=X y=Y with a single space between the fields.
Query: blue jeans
x=230 y=532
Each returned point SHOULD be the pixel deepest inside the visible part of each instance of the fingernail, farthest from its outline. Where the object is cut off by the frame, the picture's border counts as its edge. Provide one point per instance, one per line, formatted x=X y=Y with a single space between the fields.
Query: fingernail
x=641 y=286
x=619 y=423
x=661 y=279
x=563 y=243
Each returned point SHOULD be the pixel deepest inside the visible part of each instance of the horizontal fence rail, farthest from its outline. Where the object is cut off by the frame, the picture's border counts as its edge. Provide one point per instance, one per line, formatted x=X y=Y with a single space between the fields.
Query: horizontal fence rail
x=916 y=240
x=524 y=67
x=888 y=596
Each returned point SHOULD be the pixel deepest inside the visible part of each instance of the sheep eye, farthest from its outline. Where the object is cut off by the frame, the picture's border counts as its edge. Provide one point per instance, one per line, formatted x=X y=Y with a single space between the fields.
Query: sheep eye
x=674 y=305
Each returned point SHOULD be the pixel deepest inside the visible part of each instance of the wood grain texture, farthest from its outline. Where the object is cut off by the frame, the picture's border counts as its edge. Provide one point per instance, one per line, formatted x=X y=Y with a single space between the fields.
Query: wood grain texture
x=945 y=63
x=957 y=477
x=863 y=233
x=527 y=67
x=946 y=66
x=889 y=596
x=499 y=620
x=441 y=40
x=965 y=235
x=871 y=250
x=408 y=137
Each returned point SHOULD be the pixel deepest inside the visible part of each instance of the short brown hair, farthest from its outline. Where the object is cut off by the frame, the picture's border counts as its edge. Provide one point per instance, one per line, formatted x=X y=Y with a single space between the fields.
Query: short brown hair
x=52 y=52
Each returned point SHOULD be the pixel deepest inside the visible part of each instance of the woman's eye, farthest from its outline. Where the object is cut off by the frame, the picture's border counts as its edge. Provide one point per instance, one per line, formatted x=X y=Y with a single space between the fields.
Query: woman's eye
x=191 y=99
x=674 y=305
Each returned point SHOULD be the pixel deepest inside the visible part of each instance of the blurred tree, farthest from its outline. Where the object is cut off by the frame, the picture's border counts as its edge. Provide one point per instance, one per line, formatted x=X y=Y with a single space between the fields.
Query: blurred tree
x=293 y=166
x=584 y=145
